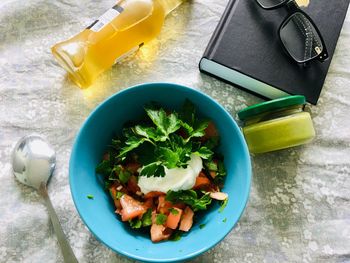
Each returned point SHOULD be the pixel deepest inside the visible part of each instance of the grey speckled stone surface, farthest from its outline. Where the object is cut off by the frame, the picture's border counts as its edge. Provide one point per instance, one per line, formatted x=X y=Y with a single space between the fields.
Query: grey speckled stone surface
x=299 y=208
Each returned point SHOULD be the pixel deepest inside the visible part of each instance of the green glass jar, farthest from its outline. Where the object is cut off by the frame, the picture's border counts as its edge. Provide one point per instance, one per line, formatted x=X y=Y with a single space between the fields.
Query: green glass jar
x=277 y=124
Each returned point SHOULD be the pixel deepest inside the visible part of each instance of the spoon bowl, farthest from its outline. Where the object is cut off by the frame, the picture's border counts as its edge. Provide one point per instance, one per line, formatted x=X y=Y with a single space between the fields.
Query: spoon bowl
x=33 y=160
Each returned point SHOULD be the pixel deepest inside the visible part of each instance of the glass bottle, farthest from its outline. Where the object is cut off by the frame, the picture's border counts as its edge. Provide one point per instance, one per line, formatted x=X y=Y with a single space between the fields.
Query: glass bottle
x=117 y=33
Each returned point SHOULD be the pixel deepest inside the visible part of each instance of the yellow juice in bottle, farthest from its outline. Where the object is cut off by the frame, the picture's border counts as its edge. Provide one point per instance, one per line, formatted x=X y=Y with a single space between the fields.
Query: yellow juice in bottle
x=117 y=33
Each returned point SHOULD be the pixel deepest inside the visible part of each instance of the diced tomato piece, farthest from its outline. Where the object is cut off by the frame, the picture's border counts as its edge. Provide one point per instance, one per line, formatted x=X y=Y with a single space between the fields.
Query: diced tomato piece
x=174 y=218
x=163 y=205
x=132 y=185
x=148 y=203
x=186 y=220
x=118 y=206
x=201 y=182
x=168 y=231
x=159 y=233
x=202 y=174
x=131 y=208
x=113 y=193
x=180 y=206
x=210 y=131
x=133 y=167
x=153 y=194
x=154 y=216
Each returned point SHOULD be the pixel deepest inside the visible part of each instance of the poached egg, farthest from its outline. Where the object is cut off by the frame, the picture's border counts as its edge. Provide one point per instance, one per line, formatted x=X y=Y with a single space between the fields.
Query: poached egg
x=175 y=179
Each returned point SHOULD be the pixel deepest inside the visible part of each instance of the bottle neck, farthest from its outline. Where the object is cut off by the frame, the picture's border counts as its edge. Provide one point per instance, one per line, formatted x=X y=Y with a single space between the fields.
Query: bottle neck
x=169 y=5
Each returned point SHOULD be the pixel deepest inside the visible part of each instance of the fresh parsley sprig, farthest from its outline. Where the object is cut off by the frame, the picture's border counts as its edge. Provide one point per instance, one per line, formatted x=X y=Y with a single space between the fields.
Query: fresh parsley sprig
x=168 y=148
x=166 y=124
x=164 y=139
x=189 y=197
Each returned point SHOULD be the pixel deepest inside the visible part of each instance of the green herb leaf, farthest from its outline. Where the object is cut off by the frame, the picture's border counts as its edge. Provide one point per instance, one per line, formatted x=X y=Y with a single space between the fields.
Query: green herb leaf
x=190 y=198
x=104 y=168
x=147 y=218
x=188 y=128
x=201 y=226
x=90 y=196
x=116 y=144
x=211 y=165
x=167 y=124
x=135 y=223
x=145 y=154
x=122 y=174
x=153 y=169
x=190 y=123
x=118 y=195
x=181 y=149
x=188 y=111
x=205 y=153
x=173 y=211
x=128 y=132
x=131 y=143
x=161 y=219
x=149 y=132
x=145 y=221
x=168 y=157
x=176 y=236
x=108 y=184
x=224 y=220
x=221 y=168
x=195 y=128
x=113 y=176
x=221 y=172
x=223 y=205
x=199 y=128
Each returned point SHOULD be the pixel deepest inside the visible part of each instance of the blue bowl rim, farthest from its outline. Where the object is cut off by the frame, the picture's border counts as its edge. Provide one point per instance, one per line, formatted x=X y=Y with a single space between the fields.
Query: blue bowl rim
x=179 y=87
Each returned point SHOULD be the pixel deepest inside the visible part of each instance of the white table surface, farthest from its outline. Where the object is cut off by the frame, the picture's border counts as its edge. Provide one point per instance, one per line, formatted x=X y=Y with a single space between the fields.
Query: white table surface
x=299 y=208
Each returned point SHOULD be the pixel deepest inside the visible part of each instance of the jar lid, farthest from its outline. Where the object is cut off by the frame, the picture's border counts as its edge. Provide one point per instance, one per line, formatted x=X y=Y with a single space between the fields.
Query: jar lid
x=271 y=105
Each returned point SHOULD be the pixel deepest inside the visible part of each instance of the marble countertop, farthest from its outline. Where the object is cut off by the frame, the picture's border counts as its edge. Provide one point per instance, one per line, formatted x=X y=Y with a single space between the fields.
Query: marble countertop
x=299 y=207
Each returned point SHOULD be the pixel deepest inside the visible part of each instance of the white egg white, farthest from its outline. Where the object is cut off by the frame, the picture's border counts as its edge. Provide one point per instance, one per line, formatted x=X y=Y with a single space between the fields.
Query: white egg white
x=175 y=179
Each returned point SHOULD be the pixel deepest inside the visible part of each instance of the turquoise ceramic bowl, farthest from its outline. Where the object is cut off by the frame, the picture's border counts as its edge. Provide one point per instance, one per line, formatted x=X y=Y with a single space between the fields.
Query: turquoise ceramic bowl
x=98 y=213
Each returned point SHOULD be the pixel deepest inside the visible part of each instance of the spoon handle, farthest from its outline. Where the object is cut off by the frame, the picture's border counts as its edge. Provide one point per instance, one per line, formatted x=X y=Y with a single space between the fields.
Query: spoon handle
x=66 y=249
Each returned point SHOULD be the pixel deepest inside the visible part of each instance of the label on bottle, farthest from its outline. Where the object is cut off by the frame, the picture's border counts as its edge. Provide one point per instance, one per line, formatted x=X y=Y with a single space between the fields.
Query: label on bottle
x=106 y=18
x=128 y=54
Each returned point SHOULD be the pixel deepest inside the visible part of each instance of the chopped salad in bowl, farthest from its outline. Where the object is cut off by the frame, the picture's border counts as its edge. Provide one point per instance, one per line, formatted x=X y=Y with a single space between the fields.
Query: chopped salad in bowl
x=140 y=172
x=164 y=168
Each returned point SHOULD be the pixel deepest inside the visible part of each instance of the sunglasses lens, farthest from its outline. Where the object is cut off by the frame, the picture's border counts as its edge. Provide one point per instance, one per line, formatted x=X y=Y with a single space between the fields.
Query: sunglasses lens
x=270 y=3
x=300 y=38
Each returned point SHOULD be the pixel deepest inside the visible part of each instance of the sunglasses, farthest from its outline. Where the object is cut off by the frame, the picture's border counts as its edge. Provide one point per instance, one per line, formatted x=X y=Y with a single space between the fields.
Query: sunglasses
x=299 y=35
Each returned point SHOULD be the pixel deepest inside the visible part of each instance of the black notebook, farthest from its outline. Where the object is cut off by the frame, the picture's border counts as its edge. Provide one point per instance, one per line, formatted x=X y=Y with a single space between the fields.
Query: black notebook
x=245 y=49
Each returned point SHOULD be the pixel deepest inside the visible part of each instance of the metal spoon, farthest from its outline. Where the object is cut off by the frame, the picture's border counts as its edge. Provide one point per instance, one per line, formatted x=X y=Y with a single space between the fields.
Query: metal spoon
x=33 y=162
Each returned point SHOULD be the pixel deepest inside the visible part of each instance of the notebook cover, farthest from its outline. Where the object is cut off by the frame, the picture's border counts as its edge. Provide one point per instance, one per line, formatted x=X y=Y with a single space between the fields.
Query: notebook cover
x=246 y=40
